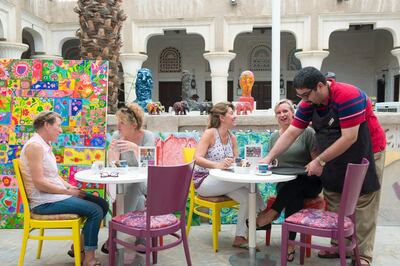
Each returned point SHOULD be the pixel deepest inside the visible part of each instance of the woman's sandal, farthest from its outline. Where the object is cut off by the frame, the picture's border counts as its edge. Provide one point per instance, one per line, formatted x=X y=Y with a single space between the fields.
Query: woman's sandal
x=323 y=254
x=71 y=252
x=141 y=243
x=243 y=246
x=104 y=247
x=264 y=227
x=290 y=255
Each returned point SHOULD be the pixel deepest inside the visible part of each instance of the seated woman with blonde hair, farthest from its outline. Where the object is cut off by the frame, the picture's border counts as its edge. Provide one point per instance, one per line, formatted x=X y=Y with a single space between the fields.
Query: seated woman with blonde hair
x=217 y=148
x=125 y=145
x=291 y=194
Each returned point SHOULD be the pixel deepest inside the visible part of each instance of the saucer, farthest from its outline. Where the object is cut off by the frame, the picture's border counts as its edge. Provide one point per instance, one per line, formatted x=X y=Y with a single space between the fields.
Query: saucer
x=263 y=174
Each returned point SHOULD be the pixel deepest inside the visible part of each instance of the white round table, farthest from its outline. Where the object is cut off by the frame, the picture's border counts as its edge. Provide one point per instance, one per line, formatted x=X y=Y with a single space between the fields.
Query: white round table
x=252 y=258
x=125 y=176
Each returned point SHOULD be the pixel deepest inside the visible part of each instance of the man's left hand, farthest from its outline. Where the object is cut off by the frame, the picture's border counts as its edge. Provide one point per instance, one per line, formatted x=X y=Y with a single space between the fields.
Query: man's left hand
x=314 y=168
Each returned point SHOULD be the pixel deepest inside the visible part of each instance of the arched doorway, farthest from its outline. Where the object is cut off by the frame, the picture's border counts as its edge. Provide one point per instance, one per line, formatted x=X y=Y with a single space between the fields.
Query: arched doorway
x=168 y=56
x=71 y=49
x=27 y=38
x=253 y=52
x=362 y=56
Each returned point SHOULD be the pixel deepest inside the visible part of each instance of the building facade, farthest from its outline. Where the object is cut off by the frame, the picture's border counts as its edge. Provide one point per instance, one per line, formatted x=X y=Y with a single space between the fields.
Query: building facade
x=215 y=41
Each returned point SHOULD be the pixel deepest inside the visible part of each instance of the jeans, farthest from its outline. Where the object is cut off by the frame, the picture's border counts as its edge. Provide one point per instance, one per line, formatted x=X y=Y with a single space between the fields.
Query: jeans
x=92 y=207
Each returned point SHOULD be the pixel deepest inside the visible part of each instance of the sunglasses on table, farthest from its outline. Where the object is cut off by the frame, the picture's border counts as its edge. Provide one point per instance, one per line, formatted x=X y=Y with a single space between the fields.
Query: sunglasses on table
x=108 y=174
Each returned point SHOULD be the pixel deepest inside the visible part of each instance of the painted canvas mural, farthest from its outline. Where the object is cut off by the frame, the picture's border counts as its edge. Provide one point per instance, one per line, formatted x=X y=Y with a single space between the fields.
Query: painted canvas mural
x=169 y=152
x=77 y=90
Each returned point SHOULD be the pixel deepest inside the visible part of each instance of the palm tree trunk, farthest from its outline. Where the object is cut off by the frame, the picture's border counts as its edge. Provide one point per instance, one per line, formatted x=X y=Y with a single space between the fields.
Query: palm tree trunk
x=100 y=35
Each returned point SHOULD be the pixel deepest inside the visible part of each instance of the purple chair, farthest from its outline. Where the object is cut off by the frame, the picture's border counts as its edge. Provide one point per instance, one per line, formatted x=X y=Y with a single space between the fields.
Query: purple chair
x=340 y=226
x=167 y=191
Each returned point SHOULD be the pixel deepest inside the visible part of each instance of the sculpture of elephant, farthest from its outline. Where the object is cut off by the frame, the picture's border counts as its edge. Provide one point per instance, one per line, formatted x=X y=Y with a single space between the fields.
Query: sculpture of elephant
x=242 y=108
x=180 y=108
x=154 y=108
x=205 y=107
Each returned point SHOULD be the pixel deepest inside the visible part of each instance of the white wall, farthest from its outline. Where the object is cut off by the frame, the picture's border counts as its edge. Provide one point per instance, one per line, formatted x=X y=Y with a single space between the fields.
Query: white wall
x=358 y=57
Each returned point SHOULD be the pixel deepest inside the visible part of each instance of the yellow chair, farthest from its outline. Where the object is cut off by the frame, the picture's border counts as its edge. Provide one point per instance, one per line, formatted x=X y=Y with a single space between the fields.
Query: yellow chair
x=215 y=204
x=35 y=221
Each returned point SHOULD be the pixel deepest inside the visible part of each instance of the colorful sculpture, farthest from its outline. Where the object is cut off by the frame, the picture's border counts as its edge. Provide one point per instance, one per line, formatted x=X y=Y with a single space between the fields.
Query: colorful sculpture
x=180 y=108
x=243 y=107
x=154 y=108
x=144 y=87
x=246 y=84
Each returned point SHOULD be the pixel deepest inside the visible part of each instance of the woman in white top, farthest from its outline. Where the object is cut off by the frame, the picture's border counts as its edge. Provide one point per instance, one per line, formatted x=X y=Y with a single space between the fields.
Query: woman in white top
x=48 y=193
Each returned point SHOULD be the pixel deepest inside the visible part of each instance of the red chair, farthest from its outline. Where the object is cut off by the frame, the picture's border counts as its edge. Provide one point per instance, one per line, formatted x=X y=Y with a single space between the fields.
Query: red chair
x=340 y=226
x=167 y=191
x=313 y=203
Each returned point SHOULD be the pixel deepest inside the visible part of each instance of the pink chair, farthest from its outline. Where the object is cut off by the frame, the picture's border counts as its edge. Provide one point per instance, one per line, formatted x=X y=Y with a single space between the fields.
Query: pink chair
x=309 y=203
x=167 y=191
x=340 y=226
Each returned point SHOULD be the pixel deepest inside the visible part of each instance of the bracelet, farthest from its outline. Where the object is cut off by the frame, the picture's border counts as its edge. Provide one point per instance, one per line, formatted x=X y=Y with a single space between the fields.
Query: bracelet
x=320 y=161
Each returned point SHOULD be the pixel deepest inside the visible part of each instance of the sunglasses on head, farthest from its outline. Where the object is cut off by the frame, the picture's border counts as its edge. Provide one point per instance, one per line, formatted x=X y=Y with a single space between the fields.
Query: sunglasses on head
x=126 y=109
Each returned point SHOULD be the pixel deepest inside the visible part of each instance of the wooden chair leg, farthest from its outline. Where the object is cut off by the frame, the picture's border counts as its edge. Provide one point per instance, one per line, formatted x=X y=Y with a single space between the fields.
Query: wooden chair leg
x=216 y=219
x=268 y=237
x=308 y=249
x=76 y=236
x=189 y=218
x=40 y=244
x=23 y=246
x=154 y=244
x=112 y=247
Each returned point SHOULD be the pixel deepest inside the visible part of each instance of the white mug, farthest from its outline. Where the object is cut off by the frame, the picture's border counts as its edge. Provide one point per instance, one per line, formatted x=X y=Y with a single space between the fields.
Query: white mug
x=97 y=167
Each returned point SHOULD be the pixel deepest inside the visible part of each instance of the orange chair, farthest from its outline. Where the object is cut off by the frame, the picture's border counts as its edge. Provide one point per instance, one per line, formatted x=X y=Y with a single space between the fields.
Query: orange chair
x=215 y=204
x=35 y=221
x=314 y=203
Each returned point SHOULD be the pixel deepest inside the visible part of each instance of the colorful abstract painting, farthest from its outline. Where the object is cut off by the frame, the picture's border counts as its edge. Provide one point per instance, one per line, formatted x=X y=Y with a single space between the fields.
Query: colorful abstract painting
x=77 y=90
x=169 y=152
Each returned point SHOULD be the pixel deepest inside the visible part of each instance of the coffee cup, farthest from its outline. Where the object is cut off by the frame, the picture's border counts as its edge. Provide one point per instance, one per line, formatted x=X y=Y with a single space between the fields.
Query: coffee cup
x=263 y=168
x=238 y=161
x=97 y=167
x=123 y=163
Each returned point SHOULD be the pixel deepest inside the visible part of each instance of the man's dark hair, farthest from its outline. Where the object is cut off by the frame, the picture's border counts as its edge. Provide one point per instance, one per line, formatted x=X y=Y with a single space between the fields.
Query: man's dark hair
x=308 y=78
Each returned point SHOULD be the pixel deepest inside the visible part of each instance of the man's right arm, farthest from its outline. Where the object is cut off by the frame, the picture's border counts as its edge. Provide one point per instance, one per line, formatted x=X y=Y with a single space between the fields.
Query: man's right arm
x=283 y=143
x=34 y=154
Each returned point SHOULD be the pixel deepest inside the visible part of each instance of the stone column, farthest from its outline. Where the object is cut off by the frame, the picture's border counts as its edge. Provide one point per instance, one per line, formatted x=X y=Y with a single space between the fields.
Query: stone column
x=131 y=63
x=46 y=57
x=219 y=65
x=12 y=50
x=396 y=53
x=312 y=58
x=276 y=54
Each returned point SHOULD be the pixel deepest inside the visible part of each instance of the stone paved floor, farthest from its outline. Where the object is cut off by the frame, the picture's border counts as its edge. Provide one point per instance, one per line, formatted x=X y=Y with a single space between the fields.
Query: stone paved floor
x=54 y=252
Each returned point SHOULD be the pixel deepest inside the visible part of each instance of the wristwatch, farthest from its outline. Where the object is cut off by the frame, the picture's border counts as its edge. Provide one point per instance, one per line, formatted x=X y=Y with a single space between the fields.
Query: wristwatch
x=320 y=161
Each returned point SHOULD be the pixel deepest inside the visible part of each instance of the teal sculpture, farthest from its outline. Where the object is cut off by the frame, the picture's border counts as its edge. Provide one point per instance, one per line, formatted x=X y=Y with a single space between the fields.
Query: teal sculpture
x=143 y=87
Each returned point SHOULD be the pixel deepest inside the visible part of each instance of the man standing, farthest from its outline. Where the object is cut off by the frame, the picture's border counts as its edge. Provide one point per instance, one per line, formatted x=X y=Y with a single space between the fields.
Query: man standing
x=347 y=130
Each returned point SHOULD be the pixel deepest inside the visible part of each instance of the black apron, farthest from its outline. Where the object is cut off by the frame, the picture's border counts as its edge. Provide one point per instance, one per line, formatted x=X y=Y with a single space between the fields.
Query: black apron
x=327 y=131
